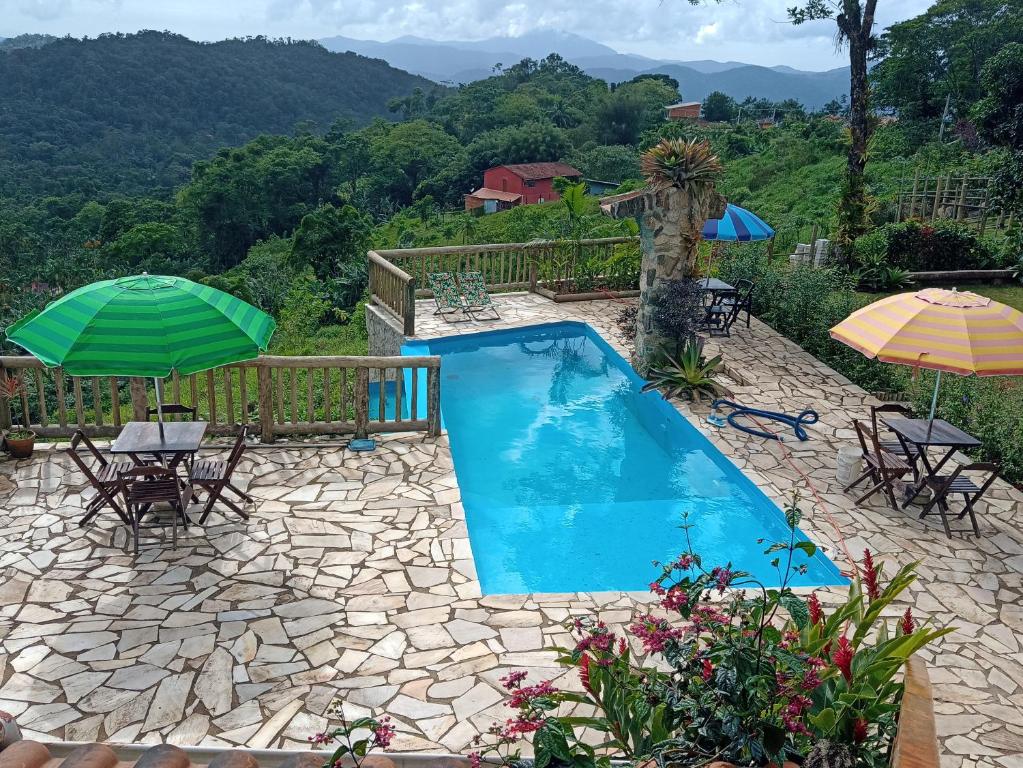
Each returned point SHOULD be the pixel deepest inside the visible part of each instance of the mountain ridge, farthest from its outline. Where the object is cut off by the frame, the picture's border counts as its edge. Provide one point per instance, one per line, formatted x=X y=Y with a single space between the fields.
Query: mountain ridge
x=462 y=61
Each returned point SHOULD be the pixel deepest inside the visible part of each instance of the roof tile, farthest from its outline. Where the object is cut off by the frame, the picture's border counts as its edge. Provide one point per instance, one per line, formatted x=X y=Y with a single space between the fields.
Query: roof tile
x=542 y=170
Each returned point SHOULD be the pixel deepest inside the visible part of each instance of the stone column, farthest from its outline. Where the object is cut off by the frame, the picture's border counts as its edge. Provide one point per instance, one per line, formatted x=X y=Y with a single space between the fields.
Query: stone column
x=670 y=222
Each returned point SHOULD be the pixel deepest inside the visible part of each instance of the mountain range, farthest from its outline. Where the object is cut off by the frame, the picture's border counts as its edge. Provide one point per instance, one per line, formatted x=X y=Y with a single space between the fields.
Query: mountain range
x=459 y=61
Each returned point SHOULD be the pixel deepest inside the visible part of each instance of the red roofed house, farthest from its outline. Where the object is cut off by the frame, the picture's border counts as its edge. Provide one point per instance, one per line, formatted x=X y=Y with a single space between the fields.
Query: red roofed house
x=506 y=186
x=684 y=110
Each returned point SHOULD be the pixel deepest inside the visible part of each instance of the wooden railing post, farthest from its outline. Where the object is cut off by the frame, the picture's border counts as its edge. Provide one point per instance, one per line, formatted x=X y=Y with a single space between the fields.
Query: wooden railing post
x=264 y=402
x=433 y=400
x=5 y=407
x=139 y=399
x=362 y=403
x=410 y=308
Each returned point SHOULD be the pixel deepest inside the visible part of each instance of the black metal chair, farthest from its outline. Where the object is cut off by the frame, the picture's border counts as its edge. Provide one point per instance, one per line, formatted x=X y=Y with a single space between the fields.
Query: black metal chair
x=943 y=486
x=214 y=477
x=102 y=477
x=741 y=300
x=145 y=487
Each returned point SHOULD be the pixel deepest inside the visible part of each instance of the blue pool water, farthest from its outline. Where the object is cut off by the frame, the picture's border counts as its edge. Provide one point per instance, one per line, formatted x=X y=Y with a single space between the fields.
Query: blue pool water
x=573 y=480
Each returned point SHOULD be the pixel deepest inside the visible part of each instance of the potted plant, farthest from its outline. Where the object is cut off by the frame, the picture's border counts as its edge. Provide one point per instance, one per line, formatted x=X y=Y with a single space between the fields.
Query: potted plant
x=20 y=441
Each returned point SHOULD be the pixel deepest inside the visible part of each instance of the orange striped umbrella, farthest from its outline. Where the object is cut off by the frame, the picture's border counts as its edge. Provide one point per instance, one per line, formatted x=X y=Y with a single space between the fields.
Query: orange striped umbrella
x=956 y=331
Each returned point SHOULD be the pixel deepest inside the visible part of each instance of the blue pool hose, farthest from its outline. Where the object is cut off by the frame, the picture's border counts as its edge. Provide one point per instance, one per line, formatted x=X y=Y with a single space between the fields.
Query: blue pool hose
x=796 y=422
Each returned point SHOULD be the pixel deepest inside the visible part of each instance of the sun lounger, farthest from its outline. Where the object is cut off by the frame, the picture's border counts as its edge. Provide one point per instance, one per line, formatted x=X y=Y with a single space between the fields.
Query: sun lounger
x=474 y=290
x=446 y=295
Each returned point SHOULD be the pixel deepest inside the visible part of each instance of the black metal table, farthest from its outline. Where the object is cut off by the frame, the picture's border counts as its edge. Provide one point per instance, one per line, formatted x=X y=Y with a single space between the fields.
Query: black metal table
x=179 y=440
x=714 y=285
x=928 y=433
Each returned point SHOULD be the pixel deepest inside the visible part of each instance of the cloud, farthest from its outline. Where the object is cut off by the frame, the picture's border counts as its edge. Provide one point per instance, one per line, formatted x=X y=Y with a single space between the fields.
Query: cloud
x=706 y=32
x=746 y=30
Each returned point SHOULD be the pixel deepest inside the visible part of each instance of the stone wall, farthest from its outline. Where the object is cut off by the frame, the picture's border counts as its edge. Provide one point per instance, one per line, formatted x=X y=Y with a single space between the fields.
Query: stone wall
x=385 y=333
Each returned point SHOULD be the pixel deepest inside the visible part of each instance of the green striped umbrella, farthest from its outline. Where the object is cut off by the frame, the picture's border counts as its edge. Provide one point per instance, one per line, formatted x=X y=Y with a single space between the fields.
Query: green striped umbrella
x=144 y=325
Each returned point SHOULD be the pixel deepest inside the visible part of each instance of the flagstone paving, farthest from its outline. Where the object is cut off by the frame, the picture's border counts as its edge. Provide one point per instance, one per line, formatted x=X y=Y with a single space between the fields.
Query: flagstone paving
x=355 y=578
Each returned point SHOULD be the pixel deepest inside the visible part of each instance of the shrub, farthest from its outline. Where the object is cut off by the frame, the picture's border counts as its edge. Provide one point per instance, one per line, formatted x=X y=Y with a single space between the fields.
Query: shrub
x=924 y=247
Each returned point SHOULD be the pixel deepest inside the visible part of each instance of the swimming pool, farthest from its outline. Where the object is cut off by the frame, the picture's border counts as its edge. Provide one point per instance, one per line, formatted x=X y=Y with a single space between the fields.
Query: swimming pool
x=573 y=480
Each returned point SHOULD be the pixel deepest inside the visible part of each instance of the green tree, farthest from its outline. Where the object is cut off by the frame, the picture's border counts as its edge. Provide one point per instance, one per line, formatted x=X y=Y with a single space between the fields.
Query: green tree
x=719 y=107
x=999 y=116
x=153 y=247
x=408 y=154
x=330 y=240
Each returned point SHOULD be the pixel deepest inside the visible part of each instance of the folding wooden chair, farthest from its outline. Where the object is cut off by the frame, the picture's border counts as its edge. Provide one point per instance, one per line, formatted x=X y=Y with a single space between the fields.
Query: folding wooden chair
x=103 y=479
x=144 y=487
x=908 y=451
x=883 y=467
x=739 y=301
x=944 y=486
x=214 y=477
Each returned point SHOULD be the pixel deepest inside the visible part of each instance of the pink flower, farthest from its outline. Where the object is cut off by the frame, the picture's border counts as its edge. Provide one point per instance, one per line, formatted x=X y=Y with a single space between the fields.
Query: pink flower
x=859 y=730
x=319 y=738
x=792 y=715
x=675 y=599
x=907 y=624
x=654 y=633
x=722 y=578
x=684 y=563
x=870 y=575
x=475 y=759
x=523 y=697
x=513 y=679
x=383 y=732
x=843 y=657
x=656 y=588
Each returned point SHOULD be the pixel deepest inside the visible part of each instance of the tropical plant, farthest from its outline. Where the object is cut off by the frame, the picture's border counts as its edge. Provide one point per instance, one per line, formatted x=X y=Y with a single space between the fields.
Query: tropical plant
x=680 y=163
x=686 y=374
x=678 y=309
x=11 y=388
x=735 y=670
x=379 y=733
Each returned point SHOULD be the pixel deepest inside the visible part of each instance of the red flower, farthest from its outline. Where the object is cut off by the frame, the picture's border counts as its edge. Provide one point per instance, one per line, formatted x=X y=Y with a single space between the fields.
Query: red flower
x=843 y=657
x=870 y=575
x=907 y=624
x=860 y=730
x=655 y=633
x=513 y=679
x=584 y=672
x=622 y=646
x=384 y=732
x=708 y=670
x=675 y=599
x=816 y=612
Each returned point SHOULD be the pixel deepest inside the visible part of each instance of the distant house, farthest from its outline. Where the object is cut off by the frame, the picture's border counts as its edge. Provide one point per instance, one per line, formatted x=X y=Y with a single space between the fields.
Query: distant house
x=684 y=110
x=506 y=186
x=599 y=188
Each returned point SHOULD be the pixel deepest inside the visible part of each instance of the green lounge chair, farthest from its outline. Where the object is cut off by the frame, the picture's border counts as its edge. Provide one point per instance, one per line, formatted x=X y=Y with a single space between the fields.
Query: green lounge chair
x=475 y=292
x=446 y=294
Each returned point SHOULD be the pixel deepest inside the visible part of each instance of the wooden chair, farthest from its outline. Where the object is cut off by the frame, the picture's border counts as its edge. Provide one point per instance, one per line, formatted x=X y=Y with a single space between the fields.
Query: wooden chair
x=944 y=486
x=908 y=451
x=883 y=467
x=214 y=477
x=144 y=487
x=102 y=477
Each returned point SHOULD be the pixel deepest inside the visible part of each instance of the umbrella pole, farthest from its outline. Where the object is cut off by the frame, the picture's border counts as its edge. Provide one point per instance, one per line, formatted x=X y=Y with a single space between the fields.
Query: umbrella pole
x=934 y=402
x=159 y=403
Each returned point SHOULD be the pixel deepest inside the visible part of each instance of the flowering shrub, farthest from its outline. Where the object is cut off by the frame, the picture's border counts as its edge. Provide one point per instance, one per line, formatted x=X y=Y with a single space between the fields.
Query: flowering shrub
x=734 y=671
x=374 y=733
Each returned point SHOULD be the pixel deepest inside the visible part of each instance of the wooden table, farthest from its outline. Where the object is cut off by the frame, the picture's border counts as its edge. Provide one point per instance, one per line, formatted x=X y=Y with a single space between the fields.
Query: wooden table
x=180 y=440
x=924 y=434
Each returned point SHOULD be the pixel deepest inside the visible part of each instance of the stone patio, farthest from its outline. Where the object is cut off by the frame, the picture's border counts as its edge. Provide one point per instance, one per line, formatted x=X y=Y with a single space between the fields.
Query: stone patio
x=354 y=578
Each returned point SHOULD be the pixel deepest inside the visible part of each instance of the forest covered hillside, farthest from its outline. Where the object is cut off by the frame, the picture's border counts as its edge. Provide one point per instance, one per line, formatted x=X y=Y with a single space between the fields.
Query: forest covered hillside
x=131 y=113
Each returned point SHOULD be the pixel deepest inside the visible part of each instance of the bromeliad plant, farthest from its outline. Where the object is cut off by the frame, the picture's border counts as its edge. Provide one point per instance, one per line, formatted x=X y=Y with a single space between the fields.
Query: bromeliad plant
x=733 y=671
x=687 y=374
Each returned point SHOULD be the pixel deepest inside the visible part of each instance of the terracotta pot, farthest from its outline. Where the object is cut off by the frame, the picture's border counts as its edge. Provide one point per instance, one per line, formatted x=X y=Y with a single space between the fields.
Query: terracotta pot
x=9 y=731
x=21 y=448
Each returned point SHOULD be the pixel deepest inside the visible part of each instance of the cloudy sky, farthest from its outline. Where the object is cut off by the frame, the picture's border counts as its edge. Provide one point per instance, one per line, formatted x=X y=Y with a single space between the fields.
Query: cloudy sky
x=753 y=31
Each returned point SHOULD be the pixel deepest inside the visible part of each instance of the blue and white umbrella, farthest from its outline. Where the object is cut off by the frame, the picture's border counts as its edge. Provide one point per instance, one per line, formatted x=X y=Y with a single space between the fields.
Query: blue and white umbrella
x=737 y=224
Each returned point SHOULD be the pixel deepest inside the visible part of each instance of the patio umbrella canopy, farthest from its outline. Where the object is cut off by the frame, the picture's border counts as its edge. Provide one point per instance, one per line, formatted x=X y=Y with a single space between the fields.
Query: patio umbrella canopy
x=738 y=225
x=941 y=330
x=144 y=325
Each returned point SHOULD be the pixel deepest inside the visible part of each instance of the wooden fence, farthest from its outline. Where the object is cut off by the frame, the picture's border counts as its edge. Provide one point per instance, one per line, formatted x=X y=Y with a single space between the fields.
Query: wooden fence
x=273 y=395
x=552 y=267
x=959 y=198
